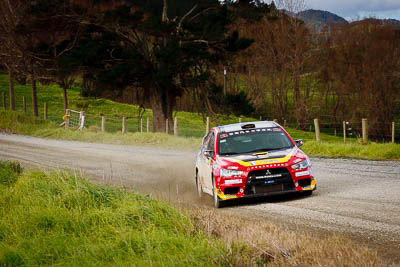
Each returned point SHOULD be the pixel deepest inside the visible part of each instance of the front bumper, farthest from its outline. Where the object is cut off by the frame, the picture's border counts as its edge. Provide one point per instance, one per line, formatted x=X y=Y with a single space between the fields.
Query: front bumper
x=257 y=184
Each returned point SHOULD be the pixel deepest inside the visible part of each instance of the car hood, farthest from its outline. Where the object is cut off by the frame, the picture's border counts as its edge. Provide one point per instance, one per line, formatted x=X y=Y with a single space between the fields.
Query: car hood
x=272 y=157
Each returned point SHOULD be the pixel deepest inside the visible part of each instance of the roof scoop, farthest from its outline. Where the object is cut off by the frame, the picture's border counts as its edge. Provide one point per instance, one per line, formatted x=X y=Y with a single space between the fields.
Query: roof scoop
x=249 y=126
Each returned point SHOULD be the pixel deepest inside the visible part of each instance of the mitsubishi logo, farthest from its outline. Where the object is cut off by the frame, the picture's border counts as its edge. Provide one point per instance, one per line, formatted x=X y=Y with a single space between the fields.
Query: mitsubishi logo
x=268 y=172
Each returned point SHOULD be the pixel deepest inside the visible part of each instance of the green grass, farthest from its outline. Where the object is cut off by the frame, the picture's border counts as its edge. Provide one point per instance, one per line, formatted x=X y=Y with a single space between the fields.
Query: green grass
x=191 y=126
x=331 y=146
x=63 y=219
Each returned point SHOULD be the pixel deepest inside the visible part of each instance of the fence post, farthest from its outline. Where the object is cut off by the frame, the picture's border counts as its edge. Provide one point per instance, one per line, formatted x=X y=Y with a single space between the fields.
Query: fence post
x=208 y=125
x=260 y=118
x=364 y=124
x=4 y=100
x=103 y=123
x=317 y=132
x=81 y=120
x=123 y=124
x=67 y=114
x=393 y=127
x=176 y=126
x=240 y=120
x=148 y=125
x=45 y=111
x=166 y=126
x=141 y=125
x=284 y=123
x=24 y=104
x=344 y=131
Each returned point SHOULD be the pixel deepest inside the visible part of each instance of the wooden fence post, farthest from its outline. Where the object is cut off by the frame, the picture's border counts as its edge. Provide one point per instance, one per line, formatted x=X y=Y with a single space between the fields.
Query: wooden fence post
x=141 y=125
x=166 y=126
x=240 y=120
x=284 y=123
x=81 y=120
x=176 y=126
x=45 y=111
x=208 y=125
x=4 y=100
x=67 y=114
x=148 y=125
x=317 y=132
x=260 y=118
x=393 y=127
x=103 y=123
x=344 y=131
x=364 y=124
x=24 y=103
x=123 y=124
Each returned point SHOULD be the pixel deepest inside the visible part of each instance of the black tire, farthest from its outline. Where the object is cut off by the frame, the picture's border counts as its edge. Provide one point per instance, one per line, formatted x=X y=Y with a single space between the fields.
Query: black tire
x=218 y=203
x=199 y=187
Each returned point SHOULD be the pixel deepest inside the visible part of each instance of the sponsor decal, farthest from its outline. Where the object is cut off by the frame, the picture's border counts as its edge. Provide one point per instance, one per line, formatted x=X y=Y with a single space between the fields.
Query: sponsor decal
x=224 y=135
x=269 y=182
x=303 y=173
x=269 y=176
x=235 y=181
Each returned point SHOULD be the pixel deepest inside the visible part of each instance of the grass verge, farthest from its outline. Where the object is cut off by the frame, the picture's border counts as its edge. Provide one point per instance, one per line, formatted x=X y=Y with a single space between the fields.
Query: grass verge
x=17 y=122
x=62 y=219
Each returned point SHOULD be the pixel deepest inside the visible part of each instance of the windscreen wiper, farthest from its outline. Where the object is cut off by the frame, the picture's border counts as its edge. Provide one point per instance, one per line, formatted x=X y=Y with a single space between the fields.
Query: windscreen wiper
x=261 y=150
x=229 y=153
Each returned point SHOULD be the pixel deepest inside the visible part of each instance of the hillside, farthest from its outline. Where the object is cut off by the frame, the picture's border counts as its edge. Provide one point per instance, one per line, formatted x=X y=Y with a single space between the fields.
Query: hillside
x=318 y=19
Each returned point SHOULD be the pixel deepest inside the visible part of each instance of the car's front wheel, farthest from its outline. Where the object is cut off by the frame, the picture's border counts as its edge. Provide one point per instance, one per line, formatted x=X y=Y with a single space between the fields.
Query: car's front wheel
x=218 y=203
x=199 y=187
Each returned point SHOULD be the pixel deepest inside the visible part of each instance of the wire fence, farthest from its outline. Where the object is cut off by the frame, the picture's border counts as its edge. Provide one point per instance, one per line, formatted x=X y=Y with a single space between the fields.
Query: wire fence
x=195 y=125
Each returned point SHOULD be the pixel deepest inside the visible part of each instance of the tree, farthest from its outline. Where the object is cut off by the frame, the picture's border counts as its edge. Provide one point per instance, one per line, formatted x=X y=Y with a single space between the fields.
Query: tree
x=164 y=57
x=362 y=74
x=298 y=54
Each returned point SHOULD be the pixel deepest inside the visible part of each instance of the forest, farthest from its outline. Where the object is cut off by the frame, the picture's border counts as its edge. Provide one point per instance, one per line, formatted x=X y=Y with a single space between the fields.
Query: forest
x=213 y=57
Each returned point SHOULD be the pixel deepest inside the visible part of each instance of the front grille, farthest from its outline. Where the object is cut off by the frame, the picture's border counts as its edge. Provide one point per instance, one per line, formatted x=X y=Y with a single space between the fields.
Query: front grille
x=231 y=190
x=304 y=182
x=268 y=180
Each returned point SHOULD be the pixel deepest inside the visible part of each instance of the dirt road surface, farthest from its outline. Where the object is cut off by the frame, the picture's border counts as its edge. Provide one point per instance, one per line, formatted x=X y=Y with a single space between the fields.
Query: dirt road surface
x=359 y=199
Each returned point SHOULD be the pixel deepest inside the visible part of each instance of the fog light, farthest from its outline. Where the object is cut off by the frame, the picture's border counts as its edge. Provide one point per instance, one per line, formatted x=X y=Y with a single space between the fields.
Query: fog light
x=296 y=184
x=241 y=190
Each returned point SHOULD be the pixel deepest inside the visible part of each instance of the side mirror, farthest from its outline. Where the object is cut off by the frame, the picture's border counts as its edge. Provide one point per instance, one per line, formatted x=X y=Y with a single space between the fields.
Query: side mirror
x=208 y=153
x=299 y=142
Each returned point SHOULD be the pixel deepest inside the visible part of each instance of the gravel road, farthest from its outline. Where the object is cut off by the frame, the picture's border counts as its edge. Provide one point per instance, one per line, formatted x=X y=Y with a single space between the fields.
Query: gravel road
x=357 y=198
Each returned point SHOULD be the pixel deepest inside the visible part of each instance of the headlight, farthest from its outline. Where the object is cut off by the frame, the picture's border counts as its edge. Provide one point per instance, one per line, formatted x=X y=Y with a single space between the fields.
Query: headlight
x=302 y=164
x=229 y=173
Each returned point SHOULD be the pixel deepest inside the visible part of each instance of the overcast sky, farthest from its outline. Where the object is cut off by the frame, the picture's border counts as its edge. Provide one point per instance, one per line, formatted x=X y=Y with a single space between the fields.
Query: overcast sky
x=355 y=9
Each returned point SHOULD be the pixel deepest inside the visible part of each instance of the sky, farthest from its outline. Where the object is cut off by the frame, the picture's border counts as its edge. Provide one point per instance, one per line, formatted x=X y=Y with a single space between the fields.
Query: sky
x=358 y=9
x=354 y=9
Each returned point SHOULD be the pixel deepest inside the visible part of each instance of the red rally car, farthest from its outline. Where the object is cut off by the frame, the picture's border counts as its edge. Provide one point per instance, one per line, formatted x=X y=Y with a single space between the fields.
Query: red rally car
x=249 y=160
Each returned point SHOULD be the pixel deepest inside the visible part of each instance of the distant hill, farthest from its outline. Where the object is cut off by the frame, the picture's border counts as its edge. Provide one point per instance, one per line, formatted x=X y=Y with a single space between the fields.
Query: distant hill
x=317 y=19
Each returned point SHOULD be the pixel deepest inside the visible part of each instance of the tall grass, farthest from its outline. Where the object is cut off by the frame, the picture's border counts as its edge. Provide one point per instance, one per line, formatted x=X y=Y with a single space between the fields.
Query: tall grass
x=62 y=219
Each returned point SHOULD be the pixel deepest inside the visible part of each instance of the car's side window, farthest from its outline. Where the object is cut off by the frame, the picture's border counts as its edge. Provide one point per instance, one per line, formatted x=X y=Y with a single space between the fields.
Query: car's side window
x=206 y=140
x=210 y=145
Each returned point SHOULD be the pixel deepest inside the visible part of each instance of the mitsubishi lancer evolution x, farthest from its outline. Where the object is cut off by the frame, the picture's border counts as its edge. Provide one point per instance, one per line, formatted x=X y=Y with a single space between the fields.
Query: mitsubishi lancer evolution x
x=249 y=160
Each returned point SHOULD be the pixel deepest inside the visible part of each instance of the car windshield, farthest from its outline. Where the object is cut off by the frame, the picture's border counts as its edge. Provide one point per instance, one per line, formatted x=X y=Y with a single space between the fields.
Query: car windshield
x=253 y=141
